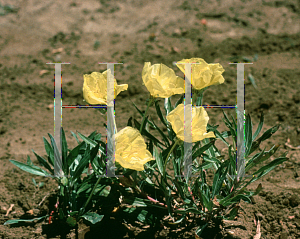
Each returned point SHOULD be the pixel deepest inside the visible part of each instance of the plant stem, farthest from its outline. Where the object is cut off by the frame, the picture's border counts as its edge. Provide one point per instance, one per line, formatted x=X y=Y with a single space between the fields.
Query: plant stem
x=171 y=150
x=90 y=197
x=199 y=96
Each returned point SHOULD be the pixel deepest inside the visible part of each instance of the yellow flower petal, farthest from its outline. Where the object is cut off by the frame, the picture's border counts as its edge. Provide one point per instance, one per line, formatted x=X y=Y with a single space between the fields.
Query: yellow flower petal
x=199 y=122
x=131 y=150
x=95 y=88
x=161 y=80
x=203 y=74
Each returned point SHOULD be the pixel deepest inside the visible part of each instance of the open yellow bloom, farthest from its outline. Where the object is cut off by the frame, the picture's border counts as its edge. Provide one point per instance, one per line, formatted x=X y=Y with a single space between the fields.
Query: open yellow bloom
x=95 y=88
x=203 y=74
x=131 y=150
x=199 y=122
x=161 y=80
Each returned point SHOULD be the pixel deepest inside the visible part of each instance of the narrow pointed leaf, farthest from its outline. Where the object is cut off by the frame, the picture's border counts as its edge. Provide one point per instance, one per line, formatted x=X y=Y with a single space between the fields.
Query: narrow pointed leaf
x=180 y=101
x=159 y=160
x=252 y=80
x=142 y=114
x=57 y=156
x=64 y=150
x=49 y=151
x=75 y=136
x=30 y=169
x=87 y=140
x=248 y=135
x=43 y=162
x=168 y=105
x=199 y=151
x=14 y=221
x=159 y=113
x=268 y=133
x=146 y=133
x=259 y=127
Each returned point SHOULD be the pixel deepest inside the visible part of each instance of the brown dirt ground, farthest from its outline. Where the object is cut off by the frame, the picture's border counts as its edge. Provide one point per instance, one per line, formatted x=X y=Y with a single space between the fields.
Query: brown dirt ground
x=134 y=32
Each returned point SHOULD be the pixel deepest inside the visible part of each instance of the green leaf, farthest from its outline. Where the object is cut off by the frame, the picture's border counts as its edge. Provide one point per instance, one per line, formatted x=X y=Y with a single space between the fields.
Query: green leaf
x=233 y=213
x=259 y=127
x=179 y=101
x=75 y=136
x=97 y=137
x=92 y=217
x=146 y=133
x=255 y=146
x=234 y=200
x=212 y=160
x=204 y=197
x=138 y=202
x=247 y=59
x=161 y=133
x=49 y=151
x=142 y=114
x=218 y=134
x=159 y=113
x=30 y=169
x=64 y=150
x=104 y=190
x=84 y=187
x=219 y=177
x=43 y=162
x=179 y=188
x=230 y=125
x=73 y=154
x=252 y=80
x=178 y=221
x=269 y=167
x=142 y=216
x=87 y=140
x=34 y=182
x=254 y=160
x=168 y=105
x=159 y=160
x=258 y=189
x=71 y=221
x=148 y=180
x=29 y=162
x=189 y=210
x=57 y=157
x=255 y=57
x=263 y=157
x=14 y=221
x=88 y=156
x=200 y=229
x=268 y=133
x=248 y=135
x=199 y=151
x=129 y=123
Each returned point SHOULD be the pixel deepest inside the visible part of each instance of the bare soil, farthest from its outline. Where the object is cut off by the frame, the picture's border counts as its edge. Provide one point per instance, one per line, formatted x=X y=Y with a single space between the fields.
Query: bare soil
x=85 y=33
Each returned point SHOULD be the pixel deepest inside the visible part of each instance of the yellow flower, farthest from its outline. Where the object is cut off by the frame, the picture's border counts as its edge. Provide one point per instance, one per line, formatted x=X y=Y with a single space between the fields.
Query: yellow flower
x=199 y=122
x=161 y=80
x=203 y=74
x=95 y=88
x=131 y=151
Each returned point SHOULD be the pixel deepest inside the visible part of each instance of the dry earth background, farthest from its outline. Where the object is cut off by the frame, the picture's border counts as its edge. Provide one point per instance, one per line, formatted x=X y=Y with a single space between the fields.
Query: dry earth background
x=84 y=33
